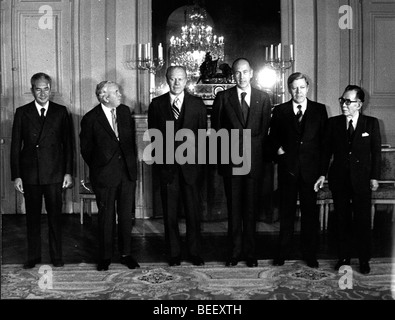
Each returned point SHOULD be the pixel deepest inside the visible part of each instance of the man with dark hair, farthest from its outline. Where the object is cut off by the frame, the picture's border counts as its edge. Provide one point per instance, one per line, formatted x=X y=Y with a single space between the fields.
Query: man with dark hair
x=42 y=165
x=354 y=142
x=297 y=133
x=108 y=147
x=179 y=110
x=245 y=110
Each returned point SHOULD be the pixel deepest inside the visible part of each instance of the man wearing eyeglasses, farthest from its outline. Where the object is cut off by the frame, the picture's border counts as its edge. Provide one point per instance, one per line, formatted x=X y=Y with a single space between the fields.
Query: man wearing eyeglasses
x=354 y=142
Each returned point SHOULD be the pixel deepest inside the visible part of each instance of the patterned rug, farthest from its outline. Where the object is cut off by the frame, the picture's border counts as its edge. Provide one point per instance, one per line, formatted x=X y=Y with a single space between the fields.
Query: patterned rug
x=293 y=281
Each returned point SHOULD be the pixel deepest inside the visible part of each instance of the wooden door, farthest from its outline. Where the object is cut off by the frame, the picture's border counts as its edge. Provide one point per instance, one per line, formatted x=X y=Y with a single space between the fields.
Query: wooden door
x=378 y=63
x=36 y=37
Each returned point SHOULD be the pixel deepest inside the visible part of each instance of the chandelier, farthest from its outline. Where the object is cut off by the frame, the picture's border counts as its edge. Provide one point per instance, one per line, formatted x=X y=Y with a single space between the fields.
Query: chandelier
x=195 y=40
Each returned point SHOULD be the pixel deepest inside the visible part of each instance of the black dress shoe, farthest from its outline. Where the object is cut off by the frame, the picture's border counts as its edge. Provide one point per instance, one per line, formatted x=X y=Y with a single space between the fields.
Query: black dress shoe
x=364 y=267
x=278 y=262
x=252 y=262
x=174 y=261
x=58 y=263
x=103 y=265
x=31 y=263
x=197 y=260
x=232 y=262
x=342 y=262
x=129 y=262
x=312 y=263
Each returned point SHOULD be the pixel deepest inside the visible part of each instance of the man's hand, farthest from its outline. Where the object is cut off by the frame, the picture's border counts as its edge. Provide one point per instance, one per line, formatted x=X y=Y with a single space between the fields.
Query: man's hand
x=18 y=185
x=67 y=181
x=374 y=184
x=319 y=184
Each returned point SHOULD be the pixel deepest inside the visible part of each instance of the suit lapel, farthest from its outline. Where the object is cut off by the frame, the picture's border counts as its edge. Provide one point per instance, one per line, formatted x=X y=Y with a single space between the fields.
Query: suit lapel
x=308 y=119
x=49 y=120
x=235 y=104
x=254 y=107
x=167 y=112
x=101 y=117
x=33 y=115
x=361 y=125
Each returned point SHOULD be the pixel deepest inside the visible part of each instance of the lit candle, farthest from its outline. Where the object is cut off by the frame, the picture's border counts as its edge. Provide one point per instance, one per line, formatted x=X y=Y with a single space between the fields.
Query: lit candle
x=139 y=51
x=160 y=52
x=267 y=54
x=291 y=51
x=271 y=52
x=279 y=51
x=275 y=52
x=148 y=51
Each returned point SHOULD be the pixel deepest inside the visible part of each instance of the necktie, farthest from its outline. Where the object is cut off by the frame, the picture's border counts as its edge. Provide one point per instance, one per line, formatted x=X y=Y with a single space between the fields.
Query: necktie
x=350 y=130
x=299 y=114
x=42 y=117
x=114 y=122
x=244 y=106
x=176 y=108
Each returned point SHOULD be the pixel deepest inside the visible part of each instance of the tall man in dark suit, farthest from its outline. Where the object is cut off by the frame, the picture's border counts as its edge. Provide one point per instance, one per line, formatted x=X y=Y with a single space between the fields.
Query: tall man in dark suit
x=108 y=147
x=42 y=165
x=180 y=110
x=297 y=134
x=354 y=142
x=242 y=109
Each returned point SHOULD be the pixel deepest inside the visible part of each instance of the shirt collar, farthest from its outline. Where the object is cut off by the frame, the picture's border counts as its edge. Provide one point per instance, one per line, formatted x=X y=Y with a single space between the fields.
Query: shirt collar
x=303 y=104
x=180 y=97
x=354 y=119
x=39 y=107
x=247 y=98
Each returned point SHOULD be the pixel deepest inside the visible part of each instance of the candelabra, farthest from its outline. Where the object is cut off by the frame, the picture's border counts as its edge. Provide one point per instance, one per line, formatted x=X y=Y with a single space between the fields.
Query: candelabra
x=145 y=58
x=280 y=61
x=145 y=61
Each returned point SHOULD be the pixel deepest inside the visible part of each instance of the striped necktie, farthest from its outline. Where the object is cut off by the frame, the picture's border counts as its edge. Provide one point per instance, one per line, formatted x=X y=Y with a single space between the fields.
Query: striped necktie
x=176 y=108
x=114 y=122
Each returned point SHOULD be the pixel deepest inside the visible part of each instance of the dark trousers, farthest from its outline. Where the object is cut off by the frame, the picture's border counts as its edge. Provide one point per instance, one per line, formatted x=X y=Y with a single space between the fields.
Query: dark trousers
x=53 y=204
x=241 y=200
x=171 y=194
x=114 y=200
x=289 y=188
x=352 y=212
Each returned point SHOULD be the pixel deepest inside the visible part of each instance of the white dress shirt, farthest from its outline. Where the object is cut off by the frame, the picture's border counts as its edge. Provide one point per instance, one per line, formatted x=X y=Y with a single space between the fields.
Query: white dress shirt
x=39 y=107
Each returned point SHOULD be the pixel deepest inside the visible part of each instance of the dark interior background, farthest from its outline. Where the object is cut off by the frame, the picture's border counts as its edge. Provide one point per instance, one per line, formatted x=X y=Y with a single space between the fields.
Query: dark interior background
x=247 y=26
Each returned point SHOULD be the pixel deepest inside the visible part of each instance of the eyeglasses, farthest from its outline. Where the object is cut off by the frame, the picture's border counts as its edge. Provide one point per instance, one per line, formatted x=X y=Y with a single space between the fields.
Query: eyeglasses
x=346 y=101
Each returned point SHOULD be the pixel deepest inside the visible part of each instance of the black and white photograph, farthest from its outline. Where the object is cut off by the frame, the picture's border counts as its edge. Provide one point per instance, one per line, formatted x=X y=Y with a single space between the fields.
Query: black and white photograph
x=191 y=158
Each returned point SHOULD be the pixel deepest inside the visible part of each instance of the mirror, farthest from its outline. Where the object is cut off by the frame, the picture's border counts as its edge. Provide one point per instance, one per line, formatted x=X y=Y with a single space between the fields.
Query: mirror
x=247 y=27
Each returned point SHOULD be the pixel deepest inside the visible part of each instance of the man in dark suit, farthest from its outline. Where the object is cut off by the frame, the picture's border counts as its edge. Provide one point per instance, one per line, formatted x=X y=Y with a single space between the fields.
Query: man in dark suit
x=297 y=133
x=42 y=165
x=245 y=110
x=180 y=110
x=354 y=142
x=108 y=147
